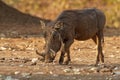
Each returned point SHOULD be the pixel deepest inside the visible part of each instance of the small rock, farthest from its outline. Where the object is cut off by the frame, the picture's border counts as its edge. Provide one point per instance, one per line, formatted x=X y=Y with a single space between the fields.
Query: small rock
x=17 y=72
x=2 y=48
x=90 y=78
x=67 y=70
x=10 y=78
x=111 y=56
x=34 y=60
x=116 y=68
x=79 y=49
x=9 y=49
x=29 y=48
x=55 y=75
x=51 y=72
x=39 y=73
x=117 y=51
x=13 y=50
x=82 y=41
x=26 y=75
x=68 y=78
x=94 y=69
x=76 y=71
x=21 y=65
x=110 y=79
x=74 y=78
x=1 y=76
x=117 y=73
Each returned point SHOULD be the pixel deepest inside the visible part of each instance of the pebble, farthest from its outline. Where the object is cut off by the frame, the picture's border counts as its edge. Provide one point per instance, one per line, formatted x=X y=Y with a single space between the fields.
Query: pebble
x=93 y=69
x=34 y=60
x=1 y=76
x=2 y=48
x=111 y=56
x=55 y=75
x=51 y=72
x=21 y=65
x=116 y=68
x=29 y=48
x=67 y=70
x=117 y=73
x=38 y=73
x=10 y=78
x=76 y=71
x=17 y=72
x=27 y=75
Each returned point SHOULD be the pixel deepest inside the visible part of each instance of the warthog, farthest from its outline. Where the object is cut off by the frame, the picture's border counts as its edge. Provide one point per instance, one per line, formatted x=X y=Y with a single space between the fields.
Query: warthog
x=73 y=24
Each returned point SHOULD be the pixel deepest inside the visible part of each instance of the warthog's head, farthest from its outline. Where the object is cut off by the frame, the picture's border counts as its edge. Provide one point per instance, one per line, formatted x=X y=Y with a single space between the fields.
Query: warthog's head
x=53 y=40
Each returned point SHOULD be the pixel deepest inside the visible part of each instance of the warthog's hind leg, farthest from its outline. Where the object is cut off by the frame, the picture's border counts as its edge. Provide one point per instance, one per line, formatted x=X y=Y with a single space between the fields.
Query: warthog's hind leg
x=100 y=55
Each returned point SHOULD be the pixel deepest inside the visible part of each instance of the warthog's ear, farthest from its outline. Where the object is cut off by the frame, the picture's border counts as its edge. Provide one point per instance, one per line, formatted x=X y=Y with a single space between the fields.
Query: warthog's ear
x=58 y=25
x=42 y=24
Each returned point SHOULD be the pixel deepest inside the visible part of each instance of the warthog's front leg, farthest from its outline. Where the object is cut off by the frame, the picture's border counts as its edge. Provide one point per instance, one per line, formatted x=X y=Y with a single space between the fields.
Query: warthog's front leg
x=62 y=56
x=66 y=49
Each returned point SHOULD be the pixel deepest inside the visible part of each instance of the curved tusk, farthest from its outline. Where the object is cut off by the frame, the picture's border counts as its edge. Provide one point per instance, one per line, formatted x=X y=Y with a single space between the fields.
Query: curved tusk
x=40 y=54
x=52 y=51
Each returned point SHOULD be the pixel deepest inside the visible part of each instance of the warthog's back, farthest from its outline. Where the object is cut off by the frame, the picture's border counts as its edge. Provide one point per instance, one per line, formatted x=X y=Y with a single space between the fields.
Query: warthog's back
x=83 y=24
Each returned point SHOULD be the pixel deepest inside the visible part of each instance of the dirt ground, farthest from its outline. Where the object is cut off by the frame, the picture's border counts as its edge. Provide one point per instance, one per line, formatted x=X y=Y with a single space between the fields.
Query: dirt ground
x=18 y=60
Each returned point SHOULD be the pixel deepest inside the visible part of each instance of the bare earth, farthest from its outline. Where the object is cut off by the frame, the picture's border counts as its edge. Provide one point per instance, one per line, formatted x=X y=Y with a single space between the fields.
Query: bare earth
x=18 y=60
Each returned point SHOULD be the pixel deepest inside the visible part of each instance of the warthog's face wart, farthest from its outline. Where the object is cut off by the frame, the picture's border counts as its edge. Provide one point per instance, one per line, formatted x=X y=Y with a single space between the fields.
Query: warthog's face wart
x=53 y=40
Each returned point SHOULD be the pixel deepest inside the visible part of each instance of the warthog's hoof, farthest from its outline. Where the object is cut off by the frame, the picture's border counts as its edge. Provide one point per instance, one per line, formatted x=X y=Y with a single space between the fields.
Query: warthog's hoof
x=66 y=62
x=61 y=61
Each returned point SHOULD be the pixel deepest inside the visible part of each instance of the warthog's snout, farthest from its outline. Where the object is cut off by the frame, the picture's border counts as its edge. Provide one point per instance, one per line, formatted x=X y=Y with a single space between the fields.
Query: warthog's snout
x=46 y=58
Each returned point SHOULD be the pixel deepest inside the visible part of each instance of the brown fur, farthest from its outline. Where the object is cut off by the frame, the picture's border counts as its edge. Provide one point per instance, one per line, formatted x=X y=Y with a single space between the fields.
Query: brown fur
x=74 y=24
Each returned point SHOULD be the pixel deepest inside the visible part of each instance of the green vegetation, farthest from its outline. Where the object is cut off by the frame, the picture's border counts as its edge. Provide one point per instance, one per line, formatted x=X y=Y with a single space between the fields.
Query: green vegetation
x=49 y=9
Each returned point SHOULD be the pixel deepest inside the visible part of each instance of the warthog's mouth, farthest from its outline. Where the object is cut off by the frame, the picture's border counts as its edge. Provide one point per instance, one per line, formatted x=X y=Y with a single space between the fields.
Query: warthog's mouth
x=50 y=59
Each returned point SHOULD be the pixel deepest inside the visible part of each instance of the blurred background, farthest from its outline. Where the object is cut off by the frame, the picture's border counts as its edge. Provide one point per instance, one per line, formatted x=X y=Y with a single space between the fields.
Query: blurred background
x=49 y=9
x=21 y=35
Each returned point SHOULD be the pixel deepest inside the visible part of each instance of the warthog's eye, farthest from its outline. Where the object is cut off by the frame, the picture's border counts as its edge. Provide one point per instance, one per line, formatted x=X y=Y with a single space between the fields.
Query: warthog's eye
x=58 y=25
x=54 y=34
